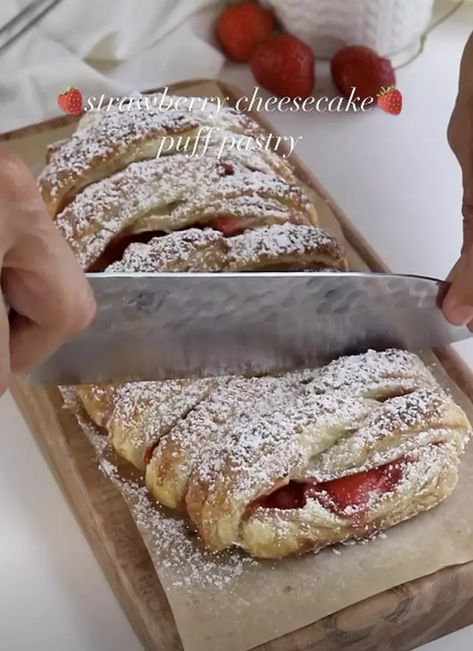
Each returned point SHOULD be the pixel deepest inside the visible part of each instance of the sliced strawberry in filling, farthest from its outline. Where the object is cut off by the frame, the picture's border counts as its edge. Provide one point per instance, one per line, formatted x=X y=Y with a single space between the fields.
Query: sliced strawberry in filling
x=357 y=490
x=229 y=225
x=353 y=491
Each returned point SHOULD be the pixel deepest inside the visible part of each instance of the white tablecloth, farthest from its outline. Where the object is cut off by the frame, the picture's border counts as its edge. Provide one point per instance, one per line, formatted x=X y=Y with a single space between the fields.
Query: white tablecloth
x=106 y=46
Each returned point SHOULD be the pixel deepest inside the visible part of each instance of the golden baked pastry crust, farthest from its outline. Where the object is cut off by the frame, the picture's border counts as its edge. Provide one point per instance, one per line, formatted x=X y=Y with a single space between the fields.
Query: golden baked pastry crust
x=321 y=437
x=286 y=246
x=97 y=151
x=251 y=436
x=271 y=533
x=108 y=141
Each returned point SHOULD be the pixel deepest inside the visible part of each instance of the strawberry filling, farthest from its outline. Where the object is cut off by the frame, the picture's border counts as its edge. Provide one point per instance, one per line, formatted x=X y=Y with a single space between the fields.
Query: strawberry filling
x=229 y=225
x=339 y=495
x=115 y=249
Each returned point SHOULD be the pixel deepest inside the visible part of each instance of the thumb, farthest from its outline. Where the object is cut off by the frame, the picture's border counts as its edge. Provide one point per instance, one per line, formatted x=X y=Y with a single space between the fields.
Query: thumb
x=458 y=303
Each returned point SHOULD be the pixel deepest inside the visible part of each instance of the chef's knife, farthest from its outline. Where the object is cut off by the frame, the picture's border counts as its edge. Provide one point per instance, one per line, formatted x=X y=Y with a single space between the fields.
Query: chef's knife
x=173 y=325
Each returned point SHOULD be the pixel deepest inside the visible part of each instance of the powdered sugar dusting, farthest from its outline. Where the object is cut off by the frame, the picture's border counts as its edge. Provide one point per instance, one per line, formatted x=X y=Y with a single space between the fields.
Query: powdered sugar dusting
x=283 y=243
x=293 y=245
x=239 y=438
x=191 y=250
x=167 y=194
x=109 y=138
x=173 y=545
x=145 y=411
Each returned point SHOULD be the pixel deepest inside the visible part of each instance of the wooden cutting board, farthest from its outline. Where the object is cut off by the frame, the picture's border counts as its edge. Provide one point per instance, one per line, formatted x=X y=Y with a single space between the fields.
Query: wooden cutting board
x=398 y=619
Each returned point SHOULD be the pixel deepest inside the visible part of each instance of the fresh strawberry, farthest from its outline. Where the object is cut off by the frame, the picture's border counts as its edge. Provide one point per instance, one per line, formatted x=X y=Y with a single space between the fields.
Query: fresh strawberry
x=285 y=65
x=390 y=100
x=70 y=101
x=362 y=68
x=242 y=27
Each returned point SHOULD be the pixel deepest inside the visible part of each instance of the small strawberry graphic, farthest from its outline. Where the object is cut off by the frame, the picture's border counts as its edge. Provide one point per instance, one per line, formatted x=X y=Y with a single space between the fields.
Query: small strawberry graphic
x=70 y=100
x=390 y=100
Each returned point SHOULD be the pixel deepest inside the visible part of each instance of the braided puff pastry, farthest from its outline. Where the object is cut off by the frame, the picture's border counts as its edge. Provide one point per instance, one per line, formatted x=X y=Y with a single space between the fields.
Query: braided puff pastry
x=137 y=414
x=280 y=465
x=321 y=467
x=101 y=149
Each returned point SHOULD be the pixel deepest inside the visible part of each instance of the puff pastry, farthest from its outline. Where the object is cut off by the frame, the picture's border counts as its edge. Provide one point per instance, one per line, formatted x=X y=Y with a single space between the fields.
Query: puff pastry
x=173 y=193
x=160 y=405
x=279 y=247
x=274 y=465
x=281 y=465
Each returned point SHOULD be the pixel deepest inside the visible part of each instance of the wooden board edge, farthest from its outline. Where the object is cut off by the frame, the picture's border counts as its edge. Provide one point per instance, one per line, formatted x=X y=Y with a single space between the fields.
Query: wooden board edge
x=133 y=585
x=456 y=368
x=45 y=125
x=388 y=620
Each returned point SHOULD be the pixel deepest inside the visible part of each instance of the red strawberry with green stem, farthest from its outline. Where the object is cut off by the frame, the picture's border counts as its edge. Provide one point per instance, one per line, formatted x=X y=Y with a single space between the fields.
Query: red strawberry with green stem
x=360 y=67
x=390 y=100
x=70 y=100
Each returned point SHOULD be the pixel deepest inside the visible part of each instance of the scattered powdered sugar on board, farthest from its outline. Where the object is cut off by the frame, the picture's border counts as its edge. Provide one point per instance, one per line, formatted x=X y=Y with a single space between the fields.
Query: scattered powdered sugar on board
x=173 y=546
x=259 y=430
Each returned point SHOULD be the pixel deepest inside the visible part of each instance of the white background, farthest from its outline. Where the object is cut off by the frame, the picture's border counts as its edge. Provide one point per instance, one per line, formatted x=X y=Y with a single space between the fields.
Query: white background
x=399 y=184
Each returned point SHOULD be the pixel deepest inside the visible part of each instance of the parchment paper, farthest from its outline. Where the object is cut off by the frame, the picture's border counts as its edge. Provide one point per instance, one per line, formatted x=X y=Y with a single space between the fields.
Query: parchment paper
x=232 y=602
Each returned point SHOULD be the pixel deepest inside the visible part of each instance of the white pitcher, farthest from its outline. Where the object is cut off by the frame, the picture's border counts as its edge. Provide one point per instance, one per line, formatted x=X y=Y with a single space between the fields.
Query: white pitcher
x=392 y=27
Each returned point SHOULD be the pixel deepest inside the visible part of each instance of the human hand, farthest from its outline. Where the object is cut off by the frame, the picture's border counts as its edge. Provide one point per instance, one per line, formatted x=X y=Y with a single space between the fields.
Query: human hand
x=458 y=303
x=40 y=278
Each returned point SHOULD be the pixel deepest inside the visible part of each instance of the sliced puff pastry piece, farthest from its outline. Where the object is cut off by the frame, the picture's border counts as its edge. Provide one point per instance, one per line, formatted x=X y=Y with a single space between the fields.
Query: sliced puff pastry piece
x=172 y=193
x=101 y=149
x=320 y=515
x=109 y=140
x=279 y=247
x=285 y=247
x=98 y=401
x=193 y=249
